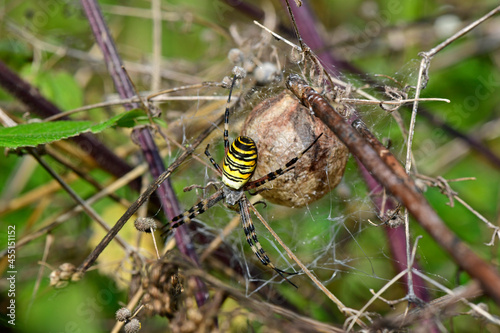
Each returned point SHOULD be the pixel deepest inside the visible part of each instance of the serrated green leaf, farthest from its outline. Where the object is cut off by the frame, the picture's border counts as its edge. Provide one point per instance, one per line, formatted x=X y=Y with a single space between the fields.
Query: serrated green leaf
x=30 y=135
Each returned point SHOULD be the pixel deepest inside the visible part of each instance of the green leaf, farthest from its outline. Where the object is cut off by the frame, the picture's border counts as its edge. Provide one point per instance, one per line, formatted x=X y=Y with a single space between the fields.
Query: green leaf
x=30 y=135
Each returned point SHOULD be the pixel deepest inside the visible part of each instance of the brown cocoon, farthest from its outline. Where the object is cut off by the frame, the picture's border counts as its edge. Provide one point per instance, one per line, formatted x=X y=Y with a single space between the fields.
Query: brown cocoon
x=282 y=128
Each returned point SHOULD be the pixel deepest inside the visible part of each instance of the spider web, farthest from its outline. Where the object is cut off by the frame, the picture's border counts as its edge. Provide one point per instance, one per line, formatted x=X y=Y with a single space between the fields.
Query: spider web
x=331 y=236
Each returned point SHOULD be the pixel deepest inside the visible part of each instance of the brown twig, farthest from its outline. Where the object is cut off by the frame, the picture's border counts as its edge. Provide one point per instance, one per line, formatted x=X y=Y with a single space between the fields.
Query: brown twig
x=396 y=237
x=403 y=189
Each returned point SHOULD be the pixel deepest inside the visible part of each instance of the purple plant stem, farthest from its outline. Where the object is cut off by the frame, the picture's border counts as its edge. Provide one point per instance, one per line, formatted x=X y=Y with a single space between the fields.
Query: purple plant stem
x=125 y=89
x=396 y=237
x=31 y=97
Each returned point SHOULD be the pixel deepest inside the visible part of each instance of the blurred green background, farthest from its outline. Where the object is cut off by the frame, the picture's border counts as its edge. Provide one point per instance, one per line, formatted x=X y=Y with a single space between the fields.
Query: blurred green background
x=49 y=43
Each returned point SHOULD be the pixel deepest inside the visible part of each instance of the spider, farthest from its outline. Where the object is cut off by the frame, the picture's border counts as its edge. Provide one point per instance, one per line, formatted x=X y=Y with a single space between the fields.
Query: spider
x=237 y=169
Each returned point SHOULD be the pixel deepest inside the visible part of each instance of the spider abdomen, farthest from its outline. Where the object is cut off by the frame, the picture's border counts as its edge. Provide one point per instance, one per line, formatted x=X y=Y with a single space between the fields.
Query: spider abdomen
x=239 y=162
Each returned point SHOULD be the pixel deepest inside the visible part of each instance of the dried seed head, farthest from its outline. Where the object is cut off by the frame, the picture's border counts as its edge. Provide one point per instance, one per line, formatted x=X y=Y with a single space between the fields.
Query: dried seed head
x=145 y=224
x=77 y=276
x=133 y=326
x=266 y=73
x=239 y=72
x=235 y=56
x=163 y=289
x=123 y=314
x=226 y=82
x=282 y=128
x=67 y=271
x=54 y=277
x=59 y=278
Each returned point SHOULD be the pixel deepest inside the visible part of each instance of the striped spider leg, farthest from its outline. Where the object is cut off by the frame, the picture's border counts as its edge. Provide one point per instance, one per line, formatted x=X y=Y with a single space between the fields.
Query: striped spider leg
x=253 y=241
x=275 y=174
x=196 y=210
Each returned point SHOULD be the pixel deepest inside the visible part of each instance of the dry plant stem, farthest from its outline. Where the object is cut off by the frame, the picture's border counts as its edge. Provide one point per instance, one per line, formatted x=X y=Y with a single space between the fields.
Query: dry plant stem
x=396 y=236
x=37 y=104
x=427 y=56
x=139 y=170
x=89 y=210
x=48 y=243
x=382 y=151
x=306 y=24
x=403 y=189
x=423 y=75
x=436 y=307
x=290 y=253
x=445 y=188
x=496 y=232
x=263 y=309
x=87 y=57
x=385 y=287
x=157 y=44
x=121 y=102
x=83 y=174
x=125 y=90
x=475 y=291
x=423 y=78
x=399 y=102
x=131 y=304
x=313 y=39
x=144 y=196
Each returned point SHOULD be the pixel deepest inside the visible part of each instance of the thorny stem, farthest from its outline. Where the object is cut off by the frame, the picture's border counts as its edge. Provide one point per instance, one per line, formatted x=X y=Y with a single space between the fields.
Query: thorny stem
x=314 y=41
x=404 y=189
x=427 y=56
x=423 y=78
x=125 y=90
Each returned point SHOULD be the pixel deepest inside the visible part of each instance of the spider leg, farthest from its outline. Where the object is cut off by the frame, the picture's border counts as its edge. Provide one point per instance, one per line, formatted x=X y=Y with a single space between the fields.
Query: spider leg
x=191 y=187
x=197 y=209
x=216 y=166
x=226 y=116
x=275 y=174
x=251 y=236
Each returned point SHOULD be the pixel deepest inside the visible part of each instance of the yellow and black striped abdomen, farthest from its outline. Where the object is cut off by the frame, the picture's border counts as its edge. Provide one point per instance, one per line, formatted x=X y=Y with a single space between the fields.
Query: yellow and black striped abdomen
x=239 y=163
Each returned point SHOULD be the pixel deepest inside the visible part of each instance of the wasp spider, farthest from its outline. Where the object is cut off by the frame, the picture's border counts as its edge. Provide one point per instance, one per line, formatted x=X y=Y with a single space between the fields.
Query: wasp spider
x=238 y=166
